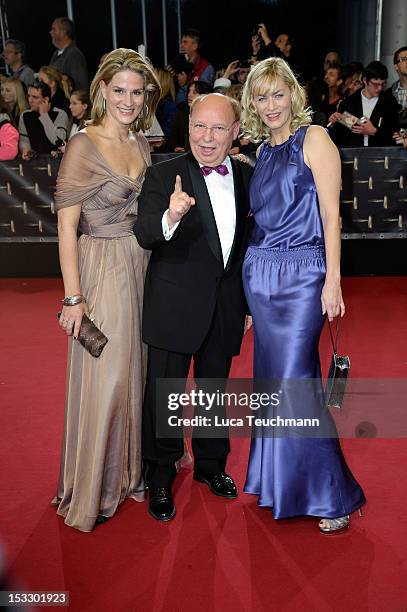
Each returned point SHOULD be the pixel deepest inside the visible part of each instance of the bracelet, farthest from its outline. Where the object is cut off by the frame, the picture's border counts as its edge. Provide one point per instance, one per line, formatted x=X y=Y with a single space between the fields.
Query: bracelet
x=72 y=300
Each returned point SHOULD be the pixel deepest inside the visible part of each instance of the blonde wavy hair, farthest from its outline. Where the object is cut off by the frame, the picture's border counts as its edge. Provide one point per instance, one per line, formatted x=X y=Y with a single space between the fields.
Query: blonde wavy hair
x=260 y=81
x=20 y=104
x=166 y=82
x=118 y=61
x=55 y=75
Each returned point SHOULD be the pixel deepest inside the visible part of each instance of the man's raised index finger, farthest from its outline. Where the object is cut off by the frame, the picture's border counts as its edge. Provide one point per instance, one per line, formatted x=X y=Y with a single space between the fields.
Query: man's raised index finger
x=178 y=183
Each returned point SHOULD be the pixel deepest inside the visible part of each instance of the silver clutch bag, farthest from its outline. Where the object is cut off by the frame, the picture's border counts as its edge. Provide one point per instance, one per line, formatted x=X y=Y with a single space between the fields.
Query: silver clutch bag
x=338 y=373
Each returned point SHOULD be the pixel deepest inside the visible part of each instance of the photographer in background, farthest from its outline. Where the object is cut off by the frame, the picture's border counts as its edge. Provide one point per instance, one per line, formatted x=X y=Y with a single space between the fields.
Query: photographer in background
x=42 y=129
x=262 y=45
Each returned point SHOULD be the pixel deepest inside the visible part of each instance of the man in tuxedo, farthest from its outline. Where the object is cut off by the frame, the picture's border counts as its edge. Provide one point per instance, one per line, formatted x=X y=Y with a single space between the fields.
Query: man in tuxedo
x=192 y=215
x=379 y=108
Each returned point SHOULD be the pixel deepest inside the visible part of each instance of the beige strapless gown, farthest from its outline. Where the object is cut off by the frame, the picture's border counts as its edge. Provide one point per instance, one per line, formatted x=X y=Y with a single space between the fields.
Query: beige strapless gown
x=101 y=451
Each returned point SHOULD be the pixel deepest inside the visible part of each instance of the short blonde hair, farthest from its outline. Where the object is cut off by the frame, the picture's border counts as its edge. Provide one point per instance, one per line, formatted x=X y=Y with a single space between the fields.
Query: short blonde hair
x=260 y=80
x=118 y=61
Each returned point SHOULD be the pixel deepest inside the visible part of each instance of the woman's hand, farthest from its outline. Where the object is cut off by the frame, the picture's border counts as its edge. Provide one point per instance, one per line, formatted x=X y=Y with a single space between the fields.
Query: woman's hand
x=71 y=318
x=331 y=299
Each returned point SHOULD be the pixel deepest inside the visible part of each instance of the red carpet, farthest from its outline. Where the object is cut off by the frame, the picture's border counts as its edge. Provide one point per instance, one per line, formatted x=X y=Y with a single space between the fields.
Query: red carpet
x=216 y=555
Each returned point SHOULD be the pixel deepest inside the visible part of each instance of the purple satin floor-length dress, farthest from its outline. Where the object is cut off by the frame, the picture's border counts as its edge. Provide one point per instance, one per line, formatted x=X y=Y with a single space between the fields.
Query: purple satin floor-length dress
x=283 y=274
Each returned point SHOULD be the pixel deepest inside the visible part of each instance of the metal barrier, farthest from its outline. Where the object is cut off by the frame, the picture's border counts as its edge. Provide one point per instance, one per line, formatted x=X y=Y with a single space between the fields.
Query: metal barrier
x=373 y=196
x=374 y=193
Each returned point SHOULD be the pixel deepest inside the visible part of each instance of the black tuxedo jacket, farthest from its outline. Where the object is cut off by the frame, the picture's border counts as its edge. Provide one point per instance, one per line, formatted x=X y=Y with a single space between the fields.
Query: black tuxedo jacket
x=384 y=117
x=186 y=279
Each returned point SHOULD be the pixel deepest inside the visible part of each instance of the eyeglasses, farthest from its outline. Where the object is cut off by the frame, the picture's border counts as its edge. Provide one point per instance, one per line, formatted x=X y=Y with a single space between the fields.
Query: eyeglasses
x=402 y=59
x=219 y=130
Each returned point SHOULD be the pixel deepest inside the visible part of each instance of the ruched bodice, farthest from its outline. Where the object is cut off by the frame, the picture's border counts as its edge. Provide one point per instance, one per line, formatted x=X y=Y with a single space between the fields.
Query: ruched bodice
x=108 y=200
x=283 y=198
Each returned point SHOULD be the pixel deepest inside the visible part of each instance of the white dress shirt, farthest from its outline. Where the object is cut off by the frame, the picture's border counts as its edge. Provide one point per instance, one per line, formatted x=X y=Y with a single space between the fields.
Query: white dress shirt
x=221 y=191
x=368 y=105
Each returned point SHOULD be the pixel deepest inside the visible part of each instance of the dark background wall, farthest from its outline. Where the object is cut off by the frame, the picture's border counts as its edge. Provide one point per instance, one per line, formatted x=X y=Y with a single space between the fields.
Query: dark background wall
x=225 y=25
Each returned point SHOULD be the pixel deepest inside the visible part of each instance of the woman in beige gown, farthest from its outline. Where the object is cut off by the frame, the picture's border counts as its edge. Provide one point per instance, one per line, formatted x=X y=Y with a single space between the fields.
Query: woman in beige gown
x=99 y=181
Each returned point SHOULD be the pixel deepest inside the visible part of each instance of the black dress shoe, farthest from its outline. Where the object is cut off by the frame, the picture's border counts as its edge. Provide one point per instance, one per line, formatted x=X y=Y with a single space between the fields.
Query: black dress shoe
x=220 y=484
x=161 y=506
x=102 y=519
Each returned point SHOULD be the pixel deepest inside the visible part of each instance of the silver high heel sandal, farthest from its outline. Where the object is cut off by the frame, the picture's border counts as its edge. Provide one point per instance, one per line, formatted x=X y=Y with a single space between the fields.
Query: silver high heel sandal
x=336 y=525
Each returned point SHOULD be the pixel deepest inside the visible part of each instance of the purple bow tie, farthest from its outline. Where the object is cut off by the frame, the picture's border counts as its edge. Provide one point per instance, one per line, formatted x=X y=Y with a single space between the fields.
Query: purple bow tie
x=221 y=169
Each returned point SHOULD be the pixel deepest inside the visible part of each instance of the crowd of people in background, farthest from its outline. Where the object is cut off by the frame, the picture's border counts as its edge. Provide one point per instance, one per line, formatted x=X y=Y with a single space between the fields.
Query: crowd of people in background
x=40 y=111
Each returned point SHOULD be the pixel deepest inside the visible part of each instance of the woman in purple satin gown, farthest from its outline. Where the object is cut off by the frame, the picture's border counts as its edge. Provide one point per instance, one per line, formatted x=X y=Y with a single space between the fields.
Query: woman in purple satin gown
x=291 y=276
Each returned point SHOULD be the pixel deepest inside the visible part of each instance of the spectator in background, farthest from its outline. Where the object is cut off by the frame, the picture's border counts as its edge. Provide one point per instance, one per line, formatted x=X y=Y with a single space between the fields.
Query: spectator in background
x=352 y=78
x=67 y=58
x=14 y=56
x=235 y=91
x=179 y=139
x=235 y=76
x=13 y=93
x=243 y=72
x=8 y=135
x=53 y=78
x=67 y=85
x=267 y=47
x=166 y=108
x=317 y=95
x=334 y=79
x=42 y=128
x=332 y=59
x=182 y=71
x=379 y=109
x=190 y=45
x=285 y=42
x=80 y=107
x=399 y=88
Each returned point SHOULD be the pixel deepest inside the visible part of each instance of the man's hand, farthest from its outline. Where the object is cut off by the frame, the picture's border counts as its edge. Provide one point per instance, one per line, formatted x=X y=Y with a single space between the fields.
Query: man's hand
x=180 y=203
x=367 y=128
x=26 y=154
x=44 y=106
